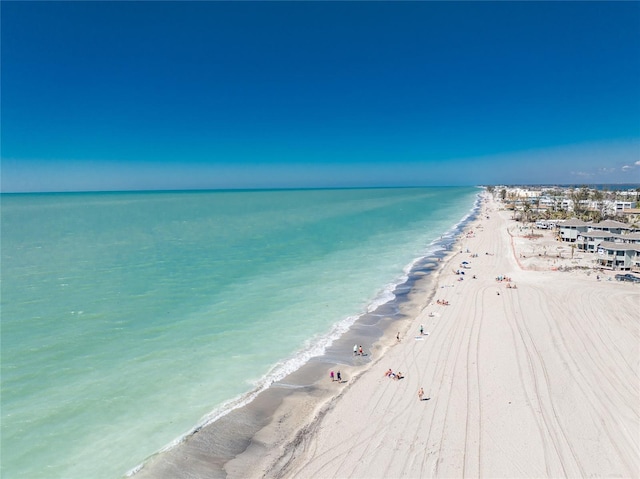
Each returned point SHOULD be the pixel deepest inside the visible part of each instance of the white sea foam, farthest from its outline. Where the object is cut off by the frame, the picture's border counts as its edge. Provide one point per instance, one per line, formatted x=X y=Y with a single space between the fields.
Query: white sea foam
x=386 y=296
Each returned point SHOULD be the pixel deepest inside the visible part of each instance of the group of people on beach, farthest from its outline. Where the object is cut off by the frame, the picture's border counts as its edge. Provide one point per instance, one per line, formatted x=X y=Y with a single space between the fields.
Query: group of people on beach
x=442 y=302
x=392 y=375
x=357 y=351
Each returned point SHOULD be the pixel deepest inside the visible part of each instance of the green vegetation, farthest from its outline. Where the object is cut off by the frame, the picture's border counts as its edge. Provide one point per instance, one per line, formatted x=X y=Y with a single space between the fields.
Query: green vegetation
x=548 y=203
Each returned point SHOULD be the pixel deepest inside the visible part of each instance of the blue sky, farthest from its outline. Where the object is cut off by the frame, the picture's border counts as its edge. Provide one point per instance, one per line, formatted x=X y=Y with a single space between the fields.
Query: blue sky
x=171 y=95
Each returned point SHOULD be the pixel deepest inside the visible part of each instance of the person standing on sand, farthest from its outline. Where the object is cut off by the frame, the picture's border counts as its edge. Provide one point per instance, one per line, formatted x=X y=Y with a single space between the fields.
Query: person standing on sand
x=420 y=394
x=360 y=351
x=355 y=349
x=398 y=336
x=339 y=377
x=331 y=376
x=421 y=330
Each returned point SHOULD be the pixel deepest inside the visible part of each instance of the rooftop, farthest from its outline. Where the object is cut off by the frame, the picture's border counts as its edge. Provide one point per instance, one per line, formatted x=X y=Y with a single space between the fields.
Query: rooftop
x=610 y=224
x=608 y=245
x=574 y=222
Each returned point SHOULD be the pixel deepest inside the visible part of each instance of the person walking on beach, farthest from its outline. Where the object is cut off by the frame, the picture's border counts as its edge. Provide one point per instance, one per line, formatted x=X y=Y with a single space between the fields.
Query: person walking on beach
x=421 y=330
x=355 y=349
x=339 y=377
x=360 y=351
x=420 y=394
x=331 y=376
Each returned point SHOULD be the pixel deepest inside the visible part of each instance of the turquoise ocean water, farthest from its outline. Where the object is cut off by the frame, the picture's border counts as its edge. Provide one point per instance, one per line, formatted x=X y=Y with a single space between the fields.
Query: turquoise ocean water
x=129 y=319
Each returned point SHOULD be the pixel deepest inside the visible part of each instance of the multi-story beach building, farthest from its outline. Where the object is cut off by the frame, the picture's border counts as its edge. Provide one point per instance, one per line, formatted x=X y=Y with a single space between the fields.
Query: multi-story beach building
x=619 y=256
x=612 y=226
x=590 y=240
x=571 y=229
x=616 y=243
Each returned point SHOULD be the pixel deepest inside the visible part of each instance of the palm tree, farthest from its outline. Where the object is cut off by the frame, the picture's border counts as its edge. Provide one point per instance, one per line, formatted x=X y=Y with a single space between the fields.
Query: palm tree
x=598 y=198
x=526 y=210
x=578 y=197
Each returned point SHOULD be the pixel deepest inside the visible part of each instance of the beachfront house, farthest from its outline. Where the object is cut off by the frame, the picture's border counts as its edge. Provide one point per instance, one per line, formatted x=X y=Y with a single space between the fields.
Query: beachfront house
x=606 y=231
x=619 y=256
x=590 y=240
x=570 y=229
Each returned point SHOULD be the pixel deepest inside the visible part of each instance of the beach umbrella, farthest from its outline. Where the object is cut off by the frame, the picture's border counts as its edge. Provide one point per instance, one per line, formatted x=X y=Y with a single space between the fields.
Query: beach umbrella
x=465 y=262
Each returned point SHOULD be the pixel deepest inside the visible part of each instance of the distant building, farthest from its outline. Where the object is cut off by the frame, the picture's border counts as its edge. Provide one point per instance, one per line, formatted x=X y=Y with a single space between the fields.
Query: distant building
x=566 y=204
x=620 y=206
x=632 y=216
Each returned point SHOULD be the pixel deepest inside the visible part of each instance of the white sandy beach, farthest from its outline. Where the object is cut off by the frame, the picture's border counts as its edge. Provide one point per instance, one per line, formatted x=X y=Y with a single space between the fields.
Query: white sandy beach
x=538 y=381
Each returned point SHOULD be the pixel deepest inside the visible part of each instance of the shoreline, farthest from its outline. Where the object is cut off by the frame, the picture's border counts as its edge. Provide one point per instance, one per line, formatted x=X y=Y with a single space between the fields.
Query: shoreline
x=266 y=420
x=266 y=461
x=275 y=461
